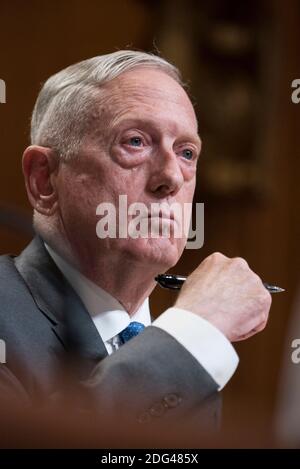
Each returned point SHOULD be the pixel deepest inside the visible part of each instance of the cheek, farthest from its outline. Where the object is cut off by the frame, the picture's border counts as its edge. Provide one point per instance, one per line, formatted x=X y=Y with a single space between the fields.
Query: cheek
x=129 y=182
x=186 y=194
x=78 y=199
x=191 y=177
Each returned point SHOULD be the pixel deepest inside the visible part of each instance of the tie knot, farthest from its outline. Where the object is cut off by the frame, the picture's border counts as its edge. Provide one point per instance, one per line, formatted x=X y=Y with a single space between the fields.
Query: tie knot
x=130 y=331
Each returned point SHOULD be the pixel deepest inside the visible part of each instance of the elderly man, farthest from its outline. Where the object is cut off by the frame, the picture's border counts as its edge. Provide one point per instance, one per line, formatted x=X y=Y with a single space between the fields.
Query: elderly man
x=118 y=124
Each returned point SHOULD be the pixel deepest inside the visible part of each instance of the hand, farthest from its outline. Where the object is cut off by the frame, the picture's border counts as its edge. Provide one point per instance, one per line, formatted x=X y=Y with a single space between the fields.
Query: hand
x=228 y=294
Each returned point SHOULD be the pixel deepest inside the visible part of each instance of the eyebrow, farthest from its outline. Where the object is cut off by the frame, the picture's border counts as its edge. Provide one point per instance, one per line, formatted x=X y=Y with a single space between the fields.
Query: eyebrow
x=194 y=138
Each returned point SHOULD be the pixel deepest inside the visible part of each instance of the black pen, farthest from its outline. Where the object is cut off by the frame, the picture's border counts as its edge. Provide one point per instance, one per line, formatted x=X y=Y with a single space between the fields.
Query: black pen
x=175 y=282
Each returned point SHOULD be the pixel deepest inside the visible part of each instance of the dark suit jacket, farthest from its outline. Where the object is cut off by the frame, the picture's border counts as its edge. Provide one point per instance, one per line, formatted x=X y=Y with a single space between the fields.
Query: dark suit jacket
x=50 y=335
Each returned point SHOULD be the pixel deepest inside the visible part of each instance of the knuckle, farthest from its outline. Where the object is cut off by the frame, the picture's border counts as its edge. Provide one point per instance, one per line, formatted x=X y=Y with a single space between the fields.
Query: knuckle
x=267 y=298
x=217 y=255
x=256 y=278
x=265 y=313
x=262 y=326
x=257 y=282
x=264 y=318
x=261 y=302
x=241 y=262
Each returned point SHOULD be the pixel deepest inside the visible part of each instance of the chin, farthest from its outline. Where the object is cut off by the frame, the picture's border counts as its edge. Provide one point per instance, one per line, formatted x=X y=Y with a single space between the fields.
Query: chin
x=162 y=252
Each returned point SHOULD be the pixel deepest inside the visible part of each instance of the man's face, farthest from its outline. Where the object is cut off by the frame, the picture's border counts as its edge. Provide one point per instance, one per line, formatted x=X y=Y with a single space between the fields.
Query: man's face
x=144 y=144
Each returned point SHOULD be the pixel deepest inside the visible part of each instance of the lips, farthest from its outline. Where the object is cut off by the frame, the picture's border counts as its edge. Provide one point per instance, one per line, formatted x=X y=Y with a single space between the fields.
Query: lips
x=161 y=213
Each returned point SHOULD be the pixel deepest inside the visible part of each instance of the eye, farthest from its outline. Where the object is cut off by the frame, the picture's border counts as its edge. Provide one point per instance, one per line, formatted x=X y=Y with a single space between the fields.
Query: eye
x=188 y=154
x=135 y=141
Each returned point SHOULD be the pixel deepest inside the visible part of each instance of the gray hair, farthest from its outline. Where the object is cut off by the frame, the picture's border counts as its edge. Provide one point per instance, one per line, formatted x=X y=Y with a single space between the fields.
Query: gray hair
x=63 y=110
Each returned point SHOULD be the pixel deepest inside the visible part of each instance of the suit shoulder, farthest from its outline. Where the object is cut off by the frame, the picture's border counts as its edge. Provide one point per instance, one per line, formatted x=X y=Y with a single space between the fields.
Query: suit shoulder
x=8 y=271
x=11 y=283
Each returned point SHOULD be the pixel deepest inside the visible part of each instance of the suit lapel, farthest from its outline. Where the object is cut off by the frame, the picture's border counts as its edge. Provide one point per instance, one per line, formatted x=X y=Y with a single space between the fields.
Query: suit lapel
x=57 y=300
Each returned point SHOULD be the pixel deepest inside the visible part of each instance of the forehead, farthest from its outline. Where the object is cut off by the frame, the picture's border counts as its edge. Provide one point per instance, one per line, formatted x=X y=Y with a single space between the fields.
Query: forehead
x=148 y=92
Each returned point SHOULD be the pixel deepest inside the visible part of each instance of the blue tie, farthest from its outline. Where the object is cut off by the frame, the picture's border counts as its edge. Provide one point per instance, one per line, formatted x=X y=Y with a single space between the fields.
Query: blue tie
x=131 y=331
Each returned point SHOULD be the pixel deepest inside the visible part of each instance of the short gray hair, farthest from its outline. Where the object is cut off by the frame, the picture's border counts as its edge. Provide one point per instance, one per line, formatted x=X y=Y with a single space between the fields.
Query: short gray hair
x=62 y=113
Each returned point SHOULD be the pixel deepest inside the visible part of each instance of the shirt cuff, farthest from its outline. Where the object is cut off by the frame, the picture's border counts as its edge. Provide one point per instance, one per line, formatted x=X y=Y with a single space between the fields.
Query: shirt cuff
x=203 y=340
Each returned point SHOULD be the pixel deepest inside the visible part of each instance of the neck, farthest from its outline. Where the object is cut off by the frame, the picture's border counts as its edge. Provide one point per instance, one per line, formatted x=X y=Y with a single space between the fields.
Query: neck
x=128 y=282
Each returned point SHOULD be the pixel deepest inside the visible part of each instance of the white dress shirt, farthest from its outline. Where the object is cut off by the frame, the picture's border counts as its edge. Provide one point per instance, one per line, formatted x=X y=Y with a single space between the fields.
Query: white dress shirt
x=204 y=341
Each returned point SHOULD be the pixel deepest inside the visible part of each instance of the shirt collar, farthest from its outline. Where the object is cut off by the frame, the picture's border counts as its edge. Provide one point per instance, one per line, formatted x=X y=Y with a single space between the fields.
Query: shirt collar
x=108 y=315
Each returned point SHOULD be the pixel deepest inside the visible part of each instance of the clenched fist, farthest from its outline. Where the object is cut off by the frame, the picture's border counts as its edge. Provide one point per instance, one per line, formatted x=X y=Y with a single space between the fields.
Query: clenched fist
x=228 y=294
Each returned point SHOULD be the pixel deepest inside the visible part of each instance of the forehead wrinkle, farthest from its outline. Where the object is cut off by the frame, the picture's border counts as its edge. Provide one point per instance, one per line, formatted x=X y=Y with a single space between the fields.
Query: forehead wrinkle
x=130 y=86
x=135 y=98
x=122 y=99
x=130 y=108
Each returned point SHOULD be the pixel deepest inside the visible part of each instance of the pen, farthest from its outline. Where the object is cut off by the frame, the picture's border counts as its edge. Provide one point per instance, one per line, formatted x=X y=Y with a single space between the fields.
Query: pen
x=174 y=282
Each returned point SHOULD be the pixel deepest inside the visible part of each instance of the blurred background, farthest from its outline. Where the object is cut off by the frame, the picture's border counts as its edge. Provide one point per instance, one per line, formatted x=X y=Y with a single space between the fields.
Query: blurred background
x=239 y=59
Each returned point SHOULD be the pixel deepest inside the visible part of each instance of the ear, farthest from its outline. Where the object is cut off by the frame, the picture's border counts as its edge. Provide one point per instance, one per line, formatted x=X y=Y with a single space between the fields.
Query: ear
x=40 y=165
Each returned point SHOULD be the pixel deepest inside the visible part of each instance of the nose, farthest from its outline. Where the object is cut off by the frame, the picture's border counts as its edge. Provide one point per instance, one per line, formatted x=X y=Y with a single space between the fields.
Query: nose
x=166 y=175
